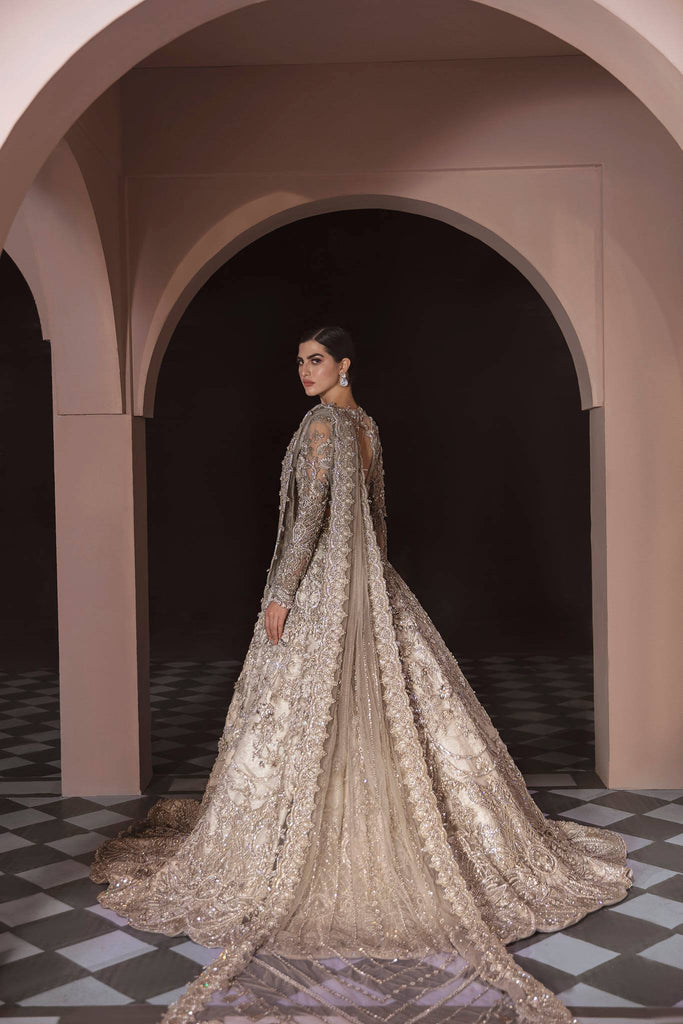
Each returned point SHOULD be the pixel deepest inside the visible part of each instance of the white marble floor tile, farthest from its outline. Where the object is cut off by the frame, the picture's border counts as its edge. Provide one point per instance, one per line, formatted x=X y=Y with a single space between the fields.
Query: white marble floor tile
x=83 y=992
x=166 y=998
x=669 y=951
x=586 y=995
x=650 y=907
x=106 y=950
x=567 y=954
x=200 y=954
x=20 y=819
x=596 y=814
x=50 y=875
x=96 y=819
x=31 y=908
x=645 y=875
x=669 y=812
x=109 y=915
x=75 y=845
x=633 y=843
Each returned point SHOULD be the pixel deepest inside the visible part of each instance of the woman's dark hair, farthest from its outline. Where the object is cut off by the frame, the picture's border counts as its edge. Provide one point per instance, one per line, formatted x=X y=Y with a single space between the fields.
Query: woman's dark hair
x=338 y=343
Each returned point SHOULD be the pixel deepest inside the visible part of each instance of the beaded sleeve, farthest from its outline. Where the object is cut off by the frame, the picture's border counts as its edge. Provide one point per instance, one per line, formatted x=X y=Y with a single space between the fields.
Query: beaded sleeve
x=378 y=508
x=314 y=463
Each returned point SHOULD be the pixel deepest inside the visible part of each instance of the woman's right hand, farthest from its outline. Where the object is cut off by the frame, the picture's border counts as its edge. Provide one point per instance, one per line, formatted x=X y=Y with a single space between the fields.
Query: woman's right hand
x=275 y=621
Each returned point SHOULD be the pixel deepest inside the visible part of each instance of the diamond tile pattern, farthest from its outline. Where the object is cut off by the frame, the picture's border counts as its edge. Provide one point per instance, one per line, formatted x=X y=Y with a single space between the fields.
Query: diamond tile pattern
x=541 y=705
x=61 y=949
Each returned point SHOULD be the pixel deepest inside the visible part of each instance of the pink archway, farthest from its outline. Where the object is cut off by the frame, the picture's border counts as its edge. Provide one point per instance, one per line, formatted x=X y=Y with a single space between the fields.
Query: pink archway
x=55 y=241
x=226 y=239
x=88 y=47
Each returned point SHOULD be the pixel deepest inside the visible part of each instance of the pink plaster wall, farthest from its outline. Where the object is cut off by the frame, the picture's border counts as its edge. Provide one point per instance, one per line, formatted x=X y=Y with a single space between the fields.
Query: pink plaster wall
x=568 y=174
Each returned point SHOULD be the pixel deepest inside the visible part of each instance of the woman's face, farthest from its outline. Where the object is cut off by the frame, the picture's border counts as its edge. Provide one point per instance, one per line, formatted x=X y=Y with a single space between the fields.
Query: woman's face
x=318 y=369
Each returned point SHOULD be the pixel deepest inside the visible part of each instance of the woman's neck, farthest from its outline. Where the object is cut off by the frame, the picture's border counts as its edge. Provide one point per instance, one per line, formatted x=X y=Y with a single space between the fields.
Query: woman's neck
x=339 y=396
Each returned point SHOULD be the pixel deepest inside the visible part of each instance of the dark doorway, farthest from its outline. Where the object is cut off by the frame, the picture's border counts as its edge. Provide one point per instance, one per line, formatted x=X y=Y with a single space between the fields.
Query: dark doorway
x=29 y=697
x=486 y=450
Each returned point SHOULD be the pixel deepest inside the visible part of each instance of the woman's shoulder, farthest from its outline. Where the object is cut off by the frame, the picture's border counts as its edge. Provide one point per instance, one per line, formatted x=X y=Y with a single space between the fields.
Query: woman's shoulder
x=331 y=413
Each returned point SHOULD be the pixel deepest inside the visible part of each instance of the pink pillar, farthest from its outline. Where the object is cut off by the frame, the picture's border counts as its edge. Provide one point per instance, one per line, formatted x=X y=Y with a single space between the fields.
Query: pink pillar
x=100 y=496
x=603 y=683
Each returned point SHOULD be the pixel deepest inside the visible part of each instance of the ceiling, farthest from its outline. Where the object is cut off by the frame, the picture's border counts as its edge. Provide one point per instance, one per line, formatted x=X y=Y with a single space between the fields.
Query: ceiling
x=333 y=31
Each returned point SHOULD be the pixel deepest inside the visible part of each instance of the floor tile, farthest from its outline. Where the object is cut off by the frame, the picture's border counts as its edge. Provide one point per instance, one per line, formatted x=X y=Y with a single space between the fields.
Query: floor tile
x=109 y=915
x=86 y=991
x=649 y=907
x=200 y=954
x=66 y=928
x=661 y=794
x=14 y=948
x=54 y=874
x=669 y=951
x=584 y=795
x=166 y=998
x=94 y=954
x=670 y=812
x=626 y=800
x=28 y=857
x=79 y=893
x=551 y=695
x=82 y=842
x=585 y=995
x=12 y=888
x=594 y=814
x=25 y=978
x=671 y=887
x=647 y=827
x=143 y=977
x=97 y=819
x=550 y=976
x=8 y=841
x=30 y=908
x=27 y=816
x=31 y=1020
x=619 y=932
x=645 y=875
x=568 y=954
x=663 y=855
x=634 y=977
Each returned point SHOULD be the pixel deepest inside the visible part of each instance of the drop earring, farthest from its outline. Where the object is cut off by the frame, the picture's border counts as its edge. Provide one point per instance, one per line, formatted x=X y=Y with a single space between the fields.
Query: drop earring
x=343 y=379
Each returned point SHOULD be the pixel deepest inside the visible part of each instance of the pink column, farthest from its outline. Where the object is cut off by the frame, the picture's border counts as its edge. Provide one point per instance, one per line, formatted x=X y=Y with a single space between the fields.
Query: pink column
x=100 y=496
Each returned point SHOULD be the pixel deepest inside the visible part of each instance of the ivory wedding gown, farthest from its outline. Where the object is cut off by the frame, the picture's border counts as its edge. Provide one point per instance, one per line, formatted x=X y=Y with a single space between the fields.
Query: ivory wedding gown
x=365 y=846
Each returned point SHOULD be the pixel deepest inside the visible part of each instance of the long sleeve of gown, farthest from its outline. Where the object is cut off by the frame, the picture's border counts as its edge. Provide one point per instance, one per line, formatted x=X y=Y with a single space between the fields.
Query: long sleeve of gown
x=313 y=468
x=378 y=509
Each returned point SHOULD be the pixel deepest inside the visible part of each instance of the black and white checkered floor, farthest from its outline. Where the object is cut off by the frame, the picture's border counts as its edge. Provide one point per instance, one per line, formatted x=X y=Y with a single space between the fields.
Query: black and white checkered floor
x=66 y=960
x=541 y=705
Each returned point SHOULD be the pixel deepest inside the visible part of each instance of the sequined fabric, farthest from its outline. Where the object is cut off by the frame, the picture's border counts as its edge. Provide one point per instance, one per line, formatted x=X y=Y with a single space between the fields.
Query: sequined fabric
x=365 y=839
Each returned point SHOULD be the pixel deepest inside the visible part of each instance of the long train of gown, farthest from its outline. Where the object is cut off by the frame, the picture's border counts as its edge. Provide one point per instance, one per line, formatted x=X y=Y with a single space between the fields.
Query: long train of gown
x=423 y=852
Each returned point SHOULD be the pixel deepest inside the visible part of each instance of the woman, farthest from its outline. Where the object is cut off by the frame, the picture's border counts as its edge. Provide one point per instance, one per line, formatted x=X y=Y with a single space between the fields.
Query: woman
x=365 y=846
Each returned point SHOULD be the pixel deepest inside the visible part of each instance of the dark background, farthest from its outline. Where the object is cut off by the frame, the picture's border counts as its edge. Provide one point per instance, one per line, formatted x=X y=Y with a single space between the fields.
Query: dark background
x=461 y=364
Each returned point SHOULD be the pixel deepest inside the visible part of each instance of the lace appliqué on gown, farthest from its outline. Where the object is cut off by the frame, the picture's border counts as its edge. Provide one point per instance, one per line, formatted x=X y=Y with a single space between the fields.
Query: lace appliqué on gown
x=365 y=845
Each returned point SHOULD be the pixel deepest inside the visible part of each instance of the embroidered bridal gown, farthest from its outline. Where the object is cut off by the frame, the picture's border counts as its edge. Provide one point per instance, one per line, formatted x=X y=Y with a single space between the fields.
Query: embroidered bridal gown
x=365 y=846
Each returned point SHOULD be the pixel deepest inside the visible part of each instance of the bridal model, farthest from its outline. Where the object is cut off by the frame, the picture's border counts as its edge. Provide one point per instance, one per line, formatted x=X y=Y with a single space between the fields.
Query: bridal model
x=366 y=846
